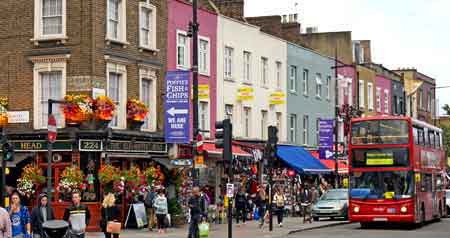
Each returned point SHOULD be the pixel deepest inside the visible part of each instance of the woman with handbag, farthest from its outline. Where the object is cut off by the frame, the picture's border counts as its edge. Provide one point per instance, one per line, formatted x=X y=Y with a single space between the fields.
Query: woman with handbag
x=110 y=217
x=161 y=210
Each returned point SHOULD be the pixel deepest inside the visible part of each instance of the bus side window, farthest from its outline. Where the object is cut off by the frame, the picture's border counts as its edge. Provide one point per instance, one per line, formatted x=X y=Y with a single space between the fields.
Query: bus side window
x=437 y=140
x=421 y=137
x=426 y=183
x=431 y=138
x=416 y=135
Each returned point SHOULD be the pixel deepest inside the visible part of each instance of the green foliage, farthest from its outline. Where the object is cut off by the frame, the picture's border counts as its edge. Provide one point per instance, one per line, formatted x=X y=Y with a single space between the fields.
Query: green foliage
x=446 y=108
x=174 y=207
x=446 y=136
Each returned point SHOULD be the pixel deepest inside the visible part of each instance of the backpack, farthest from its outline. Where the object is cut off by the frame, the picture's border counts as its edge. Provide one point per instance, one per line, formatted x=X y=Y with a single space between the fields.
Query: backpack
x=149 y=199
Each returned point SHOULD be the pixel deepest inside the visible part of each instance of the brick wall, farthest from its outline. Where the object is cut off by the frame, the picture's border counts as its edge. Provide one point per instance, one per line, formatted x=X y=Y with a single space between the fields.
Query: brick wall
x=230 y=8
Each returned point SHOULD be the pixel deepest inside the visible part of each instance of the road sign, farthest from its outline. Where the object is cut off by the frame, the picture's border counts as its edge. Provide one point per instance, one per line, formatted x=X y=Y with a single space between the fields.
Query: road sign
x=177 y=107
x=326 y=128
x=52 y=129
x=19 y=117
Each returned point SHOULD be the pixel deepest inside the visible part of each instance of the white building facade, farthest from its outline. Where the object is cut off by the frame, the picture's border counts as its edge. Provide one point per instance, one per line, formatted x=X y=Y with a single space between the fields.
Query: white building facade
x=251 y=79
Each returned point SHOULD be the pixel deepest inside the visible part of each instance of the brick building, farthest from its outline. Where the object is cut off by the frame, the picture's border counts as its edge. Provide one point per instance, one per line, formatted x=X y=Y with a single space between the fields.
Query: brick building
x=51 y=48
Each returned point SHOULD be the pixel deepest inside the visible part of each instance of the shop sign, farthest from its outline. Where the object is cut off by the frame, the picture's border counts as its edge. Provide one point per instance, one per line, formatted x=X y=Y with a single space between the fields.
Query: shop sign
x=19 y=117
x=277 y=98
x=142 y=147
x=245 y=94
x=199 y=162
x=230 y=190
x=181 y=162
x=90 y=145
x=326 y=140
x=37 y=146
x=203 y=91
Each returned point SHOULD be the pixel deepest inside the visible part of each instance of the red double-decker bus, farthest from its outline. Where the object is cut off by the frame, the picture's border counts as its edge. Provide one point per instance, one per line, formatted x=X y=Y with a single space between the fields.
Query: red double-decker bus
x=397 y=171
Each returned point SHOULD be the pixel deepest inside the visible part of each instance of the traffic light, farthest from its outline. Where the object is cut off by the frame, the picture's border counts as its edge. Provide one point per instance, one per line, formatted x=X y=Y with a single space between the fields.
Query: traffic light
x=224 y=134
x=8 y=151
x=272 y=142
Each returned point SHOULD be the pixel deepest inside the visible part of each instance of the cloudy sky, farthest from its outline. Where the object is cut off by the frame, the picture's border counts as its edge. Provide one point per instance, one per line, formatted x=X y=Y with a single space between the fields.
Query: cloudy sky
x=404 y=33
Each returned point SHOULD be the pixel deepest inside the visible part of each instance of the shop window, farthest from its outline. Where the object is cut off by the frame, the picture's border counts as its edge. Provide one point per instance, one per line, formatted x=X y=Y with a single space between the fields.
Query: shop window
x=90 y=164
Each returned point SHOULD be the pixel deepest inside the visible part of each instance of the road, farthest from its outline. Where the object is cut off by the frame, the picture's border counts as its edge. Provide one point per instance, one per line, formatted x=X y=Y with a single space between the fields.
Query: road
x=432 y=230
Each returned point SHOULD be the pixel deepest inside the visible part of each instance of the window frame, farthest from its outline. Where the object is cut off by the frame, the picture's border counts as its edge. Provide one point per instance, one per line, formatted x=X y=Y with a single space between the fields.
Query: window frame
x=207 y=114
x=370 y=99
x=293 y=78
x=328 y=85
x=264 y=123
x=39 y=26
x=378 y=99
x=361 y=95
x=319 y=84
x=228 y=61
x=264 y=71
x=305 y=129
x=121 y=109
x=386 y=101
x=186 y=50
x=150 y=75
x=247 y=121
x=293 y=128
x=229 y=114
x=305 y=82
x=247 y=60
x=152 y=30
x=122 y=23
x=279 y=67
x=208 y=56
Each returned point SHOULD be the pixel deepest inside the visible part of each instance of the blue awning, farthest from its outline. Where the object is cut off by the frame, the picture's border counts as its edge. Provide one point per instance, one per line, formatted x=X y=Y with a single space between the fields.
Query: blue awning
x=301 y=160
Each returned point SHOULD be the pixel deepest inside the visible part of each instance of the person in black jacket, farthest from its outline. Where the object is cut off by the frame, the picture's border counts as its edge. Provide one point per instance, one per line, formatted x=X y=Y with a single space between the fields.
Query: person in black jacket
x=110 y=212
x=78 y=216
x=241 y=206
x=198 y=211
x=40 y=214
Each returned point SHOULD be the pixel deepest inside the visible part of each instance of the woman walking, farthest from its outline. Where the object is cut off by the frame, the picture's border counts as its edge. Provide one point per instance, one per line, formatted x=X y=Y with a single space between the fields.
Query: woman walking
x=20 y=218
x=110 y=213
x=279 y=200
x=40 y=214
x=161 y=210
x=260 y=202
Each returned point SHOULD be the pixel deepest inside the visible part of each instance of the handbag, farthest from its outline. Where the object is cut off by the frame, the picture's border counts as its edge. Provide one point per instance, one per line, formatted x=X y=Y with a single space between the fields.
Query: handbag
x=203 y=229
x=114 y=227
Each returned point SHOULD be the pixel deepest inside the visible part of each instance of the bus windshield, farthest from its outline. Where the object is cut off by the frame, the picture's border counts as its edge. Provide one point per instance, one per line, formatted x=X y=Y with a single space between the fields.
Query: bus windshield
x=382 y=185
x=380 y=132
x=382 y=157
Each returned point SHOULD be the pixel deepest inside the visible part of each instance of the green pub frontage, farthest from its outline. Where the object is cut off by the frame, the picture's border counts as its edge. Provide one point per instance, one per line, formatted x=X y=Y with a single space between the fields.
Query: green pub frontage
x=88 y=151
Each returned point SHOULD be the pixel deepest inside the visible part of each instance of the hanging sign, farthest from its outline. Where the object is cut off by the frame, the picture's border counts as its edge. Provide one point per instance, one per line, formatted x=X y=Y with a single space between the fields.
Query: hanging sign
x=230 y=190
x=277 y=98
x=245 y=94
x=326 y=138
x=203 y=91
x=19 y=117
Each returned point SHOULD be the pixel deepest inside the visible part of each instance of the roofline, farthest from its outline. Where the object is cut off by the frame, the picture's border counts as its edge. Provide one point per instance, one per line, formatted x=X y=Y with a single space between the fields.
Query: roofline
x=383 y=68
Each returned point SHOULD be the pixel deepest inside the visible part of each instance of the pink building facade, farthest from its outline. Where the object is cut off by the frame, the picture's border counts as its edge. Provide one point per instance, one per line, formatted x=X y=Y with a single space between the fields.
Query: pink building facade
x=383 y=95
x=179 y=56
x=347 y=85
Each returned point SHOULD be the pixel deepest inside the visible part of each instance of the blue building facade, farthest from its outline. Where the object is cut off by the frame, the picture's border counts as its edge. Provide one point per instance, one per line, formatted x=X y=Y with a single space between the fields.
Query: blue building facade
x=310 y=94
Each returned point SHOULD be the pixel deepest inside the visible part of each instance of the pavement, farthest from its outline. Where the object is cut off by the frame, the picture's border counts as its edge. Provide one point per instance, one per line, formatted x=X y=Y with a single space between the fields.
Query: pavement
x=432 y=230
x=290 y=226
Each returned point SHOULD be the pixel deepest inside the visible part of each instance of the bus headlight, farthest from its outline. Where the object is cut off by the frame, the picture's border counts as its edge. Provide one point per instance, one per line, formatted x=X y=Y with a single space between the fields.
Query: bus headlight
x=356 y=209
x=403 y=209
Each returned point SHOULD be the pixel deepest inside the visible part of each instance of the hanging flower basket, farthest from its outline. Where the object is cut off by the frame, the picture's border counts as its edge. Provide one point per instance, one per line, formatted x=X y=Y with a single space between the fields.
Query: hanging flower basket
x=136 y=110
x=71 y=180
x=3 y=111
x=104 y=109
x=77 y=109
x=30 y=179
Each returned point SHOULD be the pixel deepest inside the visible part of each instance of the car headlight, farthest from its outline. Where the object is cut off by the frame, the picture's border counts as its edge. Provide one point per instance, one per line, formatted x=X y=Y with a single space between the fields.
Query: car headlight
x=356 y=209
x=403 y=209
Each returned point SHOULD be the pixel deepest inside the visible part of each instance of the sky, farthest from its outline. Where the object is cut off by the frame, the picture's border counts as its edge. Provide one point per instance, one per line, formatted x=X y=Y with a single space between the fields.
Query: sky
x=403 y=33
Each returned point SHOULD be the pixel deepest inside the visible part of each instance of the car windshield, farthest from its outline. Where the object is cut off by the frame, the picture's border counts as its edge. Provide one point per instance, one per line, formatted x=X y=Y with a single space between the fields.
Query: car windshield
x=335 y=195
x=380 y=132
x=382 y=185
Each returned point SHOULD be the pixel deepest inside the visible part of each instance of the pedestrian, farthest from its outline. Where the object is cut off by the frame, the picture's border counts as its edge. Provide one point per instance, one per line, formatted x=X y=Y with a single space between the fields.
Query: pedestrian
x=78 y=216
x=161 y=210
x=20 y=218
x=197 y=212
x=314 y=195
x=279 y=200
x=110 y=213
x=260 y=202
x=241 y=205
x=306 y=204
x=40 y=214
x=148 y=202
x=5 y=224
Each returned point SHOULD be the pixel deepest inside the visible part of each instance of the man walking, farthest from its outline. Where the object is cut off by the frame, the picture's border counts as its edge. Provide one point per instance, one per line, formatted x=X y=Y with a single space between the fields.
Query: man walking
x=148 y=201
x=5 y=224
x=198 y=210
x=78 y=216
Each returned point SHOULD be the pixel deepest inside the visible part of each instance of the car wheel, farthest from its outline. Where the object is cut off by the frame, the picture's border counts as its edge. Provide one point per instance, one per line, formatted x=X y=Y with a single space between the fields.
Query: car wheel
x=315 y=219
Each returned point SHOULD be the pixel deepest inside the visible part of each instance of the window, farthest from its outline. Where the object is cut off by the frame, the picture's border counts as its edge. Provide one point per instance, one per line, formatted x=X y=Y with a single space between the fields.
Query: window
x=318 y=85
x=328 y=87
x=278 y=76
x=305 y=81
x=421 y=99
x=247 y=121
x=116 y=20
x=370 y=96
x=350 y=93
x=293 y=79
x=279 y=121
x=182 y=50
x=386 y=101
x=378 y=98
x=263 y=124
x=305 y=129
x=204 y=116
x=380 y=132
x=396 y=105
x=228 y=62
x=430 y=102
x=49 y=19
x=229 y=112
x=247 y=68
x=148 y=96
x=147 y=25
x=116 y=90
x=203 y=56
x=264 y=71
x=361 y=93
x=49 y=82
x=293 y=128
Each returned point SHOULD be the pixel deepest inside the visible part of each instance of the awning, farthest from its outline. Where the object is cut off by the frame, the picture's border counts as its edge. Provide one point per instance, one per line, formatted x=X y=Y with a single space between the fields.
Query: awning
x=212 y=150
x=342 y=166
x=300 y=160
